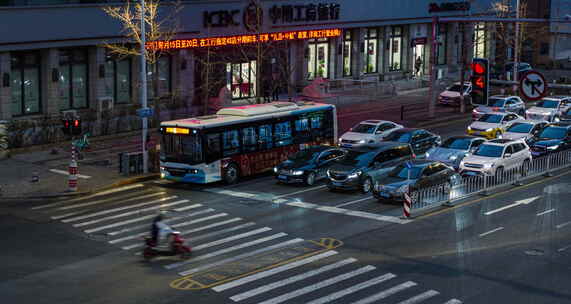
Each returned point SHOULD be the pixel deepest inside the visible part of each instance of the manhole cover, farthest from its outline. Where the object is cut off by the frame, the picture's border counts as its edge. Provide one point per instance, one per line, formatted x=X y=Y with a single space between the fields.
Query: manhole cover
x=534 y=252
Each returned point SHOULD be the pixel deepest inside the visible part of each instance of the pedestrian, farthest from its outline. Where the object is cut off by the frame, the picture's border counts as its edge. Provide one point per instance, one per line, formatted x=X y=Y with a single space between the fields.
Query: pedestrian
x=276 y=86
x=151 y=148
x=417 y=66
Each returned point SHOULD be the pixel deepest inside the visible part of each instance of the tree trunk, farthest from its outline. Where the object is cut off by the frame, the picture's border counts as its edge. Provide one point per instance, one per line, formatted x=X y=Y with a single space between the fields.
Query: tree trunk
x=156 y=92
x=462 y=69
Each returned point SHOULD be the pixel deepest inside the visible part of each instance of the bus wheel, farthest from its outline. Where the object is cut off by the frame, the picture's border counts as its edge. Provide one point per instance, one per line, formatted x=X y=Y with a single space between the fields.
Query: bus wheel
x=231 y=174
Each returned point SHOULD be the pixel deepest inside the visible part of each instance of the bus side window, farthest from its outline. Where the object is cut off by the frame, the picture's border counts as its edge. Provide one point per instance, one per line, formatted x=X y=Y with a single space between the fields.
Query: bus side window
x=317 y=125
x=213 y=148
x=249 y=143
x=265 y=137
x=283 y=133
x=231 y=142
x=302 y=133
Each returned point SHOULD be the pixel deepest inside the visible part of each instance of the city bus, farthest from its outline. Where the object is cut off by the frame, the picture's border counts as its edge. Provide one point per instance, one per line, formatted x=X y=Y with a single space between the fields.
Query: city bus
x=242 y=140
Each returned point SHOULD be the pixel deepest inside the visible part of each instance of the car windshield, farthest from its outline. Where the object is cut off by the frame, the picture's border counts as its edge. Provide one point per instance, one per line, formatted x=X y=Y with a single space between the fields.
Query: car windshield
x=457 y=143
x=519 y=127
x=364 y=128
x=304 y=155
x=552 y=104
x=489 y=151
x=553 y=133
x=496 y=102
x=491 y=118
x=402 y=137
x=356 y=158
x=403 y=172
x=457 y=88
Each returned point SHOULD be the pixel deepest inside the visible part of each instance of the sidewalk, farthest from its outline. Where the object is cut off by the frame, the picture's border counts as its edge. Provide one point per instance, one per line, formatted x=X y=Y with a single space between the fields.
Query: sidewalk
x=99 y=168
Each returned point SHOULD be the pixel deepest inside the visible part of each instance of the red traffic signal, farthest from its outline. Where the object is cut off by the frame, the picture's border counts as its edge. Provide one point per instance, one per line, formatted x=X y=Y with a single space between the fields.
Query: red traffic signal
x=479 y=82
x=478 y=68
x=76 y=123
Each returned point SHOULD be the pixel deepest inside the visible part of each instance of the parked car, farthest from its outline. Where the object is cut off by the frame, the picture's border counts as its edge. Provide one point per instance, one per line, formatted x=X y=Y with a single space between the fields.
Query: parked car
x=492 y=125
x=360 y=167
x=496 y=156
x=525 y=129
x=554 y=138
x=454 y=149
x=308 y=165
x=566 y=116
x=549 y=108
x=451 y=96
x=419 y=139
x=421 y=174
x=500 y=103
x=368 y=132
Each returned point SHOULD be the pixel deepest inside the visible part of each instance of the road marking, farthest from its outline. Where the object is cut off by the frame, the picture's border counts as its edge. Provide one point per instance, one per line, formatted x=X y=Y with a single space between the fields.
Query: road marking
x=300 y=191
x=226 y=250
x=491 y=231
x=102 y=219
x=73 y=219
x=117 y=224
x=215 y=233
x=454 y=301
x=182 y=233
x=231 y=238
x=545 y=212
x=270 y=272
x=89 y=196
x=353 y=202
x=238 y=257
x=314 y=287
x=563 y=225
x=373 y=216
x=337 y=295
x=63 y=172
x=123 y=198
x=421 y=297
x=563 y=248
x=386 y=293
x=167 y=221
x=517 y=203
x=233 y=193
x=162 y=181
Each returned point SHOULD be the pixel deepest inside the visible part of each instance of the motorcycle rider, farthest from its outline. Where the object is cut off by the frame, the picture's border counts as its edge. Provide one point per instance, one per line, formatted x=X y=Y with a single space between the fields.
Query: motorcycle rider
x=160 y=230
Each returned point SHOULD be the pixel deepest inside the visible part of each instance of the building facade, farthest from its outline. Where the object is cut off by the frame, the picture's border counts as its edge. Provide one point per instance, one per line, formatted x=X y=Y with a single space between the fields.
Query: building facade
x=248 y=48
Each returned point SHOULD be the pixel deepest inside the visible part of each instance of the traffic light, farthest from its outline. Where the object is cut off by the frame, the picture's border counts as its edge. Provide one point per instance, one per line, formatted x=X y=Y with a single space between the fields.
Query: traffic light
x=66 y=126
x=480 y=80
x=76 y=127
x=71 y=126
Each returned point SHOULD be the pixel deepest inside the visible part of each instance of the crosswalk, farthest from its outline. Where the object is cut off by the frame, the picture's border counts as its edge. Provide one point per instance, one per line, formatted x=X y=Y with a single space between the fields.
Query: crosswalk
x=123 y=216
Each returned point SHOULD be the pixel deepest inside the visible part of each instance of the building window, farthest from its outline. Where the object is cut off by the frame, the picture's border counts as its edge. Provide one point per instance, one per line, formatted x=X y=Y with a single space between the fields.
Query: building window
x=118 y=79
x=395 y=49
x=480 y=40
x=442 y=42
x=241 y=79
x=25 y=84
x=318 y=58
x=347 y=48
x=73 y=79
x=164 y=77
x=370 y=51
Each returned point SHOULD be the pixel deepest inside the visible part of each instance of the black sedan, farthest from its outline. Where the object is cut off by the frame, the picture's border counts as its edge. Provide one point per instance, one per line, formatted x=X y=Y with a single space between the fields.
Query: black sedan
x=419 y=139
x=414 y=175
x=556 y=137
x=307 y=165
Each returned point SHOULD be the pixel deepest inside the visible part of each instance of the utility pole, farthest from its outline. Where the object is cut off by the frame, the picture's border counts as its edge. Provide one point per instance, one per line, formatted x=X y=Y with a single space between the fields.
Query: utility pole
x=432 y=70
x=462 y=67
x=144 y=88
x=516 y=49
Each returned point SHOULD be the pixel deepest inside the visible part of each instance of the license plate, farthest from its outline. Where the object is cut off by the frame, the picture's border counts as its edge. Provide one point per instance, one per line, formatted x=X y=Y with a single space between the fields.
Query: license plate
x=385 y=194
x=346 y=145
x=282 y=177
x=337 y=184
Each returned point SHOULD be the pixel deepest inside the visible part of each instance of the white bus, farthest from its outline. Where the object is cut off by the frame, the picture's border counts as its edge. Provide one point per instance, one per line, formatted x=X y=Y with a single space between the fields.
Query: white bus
x=243 y=140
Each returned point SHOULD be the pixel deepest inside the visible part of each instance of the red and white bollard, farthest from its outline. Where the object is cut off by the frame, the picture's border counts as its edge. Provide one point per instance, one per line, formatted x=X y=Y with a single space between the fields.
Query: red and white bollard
x=73 y=171
x=406 y=205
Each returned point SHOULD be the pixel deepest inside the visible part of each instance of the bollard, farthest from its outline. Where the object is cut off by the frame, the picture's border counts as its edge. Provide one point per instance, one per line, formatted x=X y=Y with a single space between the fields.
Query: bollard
x=73 y=171
x=406 y=205
x=72 y=183
x=402 y=112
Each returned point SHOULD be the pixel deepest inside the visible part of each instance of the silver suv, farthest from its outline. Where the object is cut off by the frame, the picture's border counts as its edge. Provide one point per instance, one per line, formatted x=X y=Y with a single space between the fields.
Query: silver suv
x=549 y=108
x=496 y=156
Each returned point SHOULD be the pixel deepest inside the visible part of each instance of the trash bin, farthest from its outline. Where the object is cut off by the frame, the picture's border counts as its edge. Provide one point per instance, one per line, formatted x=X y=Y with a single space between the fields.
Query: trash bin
x=131 y=163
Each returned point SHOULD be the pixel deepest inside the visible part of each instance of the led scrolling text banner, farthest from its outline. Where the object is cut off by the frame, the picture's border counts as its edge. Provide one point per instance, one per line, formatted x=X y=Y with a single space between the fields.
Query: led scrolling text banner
x=241 y=39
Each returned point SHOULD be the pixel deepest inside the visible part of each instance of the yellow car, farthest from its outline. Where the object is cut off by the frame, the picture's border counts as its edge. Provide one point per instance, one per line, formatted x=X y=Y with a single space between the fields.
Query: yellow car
x=492 y=125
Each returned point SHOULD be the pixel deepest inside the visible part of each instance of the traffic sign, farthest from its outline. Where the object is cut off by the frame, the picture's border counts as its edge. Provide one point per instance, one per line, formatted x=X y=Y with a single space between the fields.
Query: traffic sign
x=533 y=86
x=145 y=112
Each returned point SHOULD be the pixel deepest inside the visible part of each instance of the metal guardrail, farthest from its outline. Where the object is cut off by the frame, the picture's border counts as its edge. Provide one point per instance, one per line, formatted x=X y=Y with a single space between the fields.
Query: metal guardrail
x=446 y=194
x=549 y=84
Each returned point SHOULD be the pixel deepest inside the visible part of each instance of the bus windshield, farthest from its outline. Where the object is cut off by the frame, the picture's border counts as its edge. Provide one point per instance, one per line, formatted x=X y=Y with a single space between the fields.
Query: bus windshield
x=183 y=148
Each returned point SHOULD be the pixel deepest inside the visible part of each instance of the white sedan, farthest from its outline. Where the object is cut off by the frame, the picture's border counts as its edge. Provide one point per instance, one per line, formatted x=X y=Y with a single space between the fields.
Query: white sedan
x=368 y=132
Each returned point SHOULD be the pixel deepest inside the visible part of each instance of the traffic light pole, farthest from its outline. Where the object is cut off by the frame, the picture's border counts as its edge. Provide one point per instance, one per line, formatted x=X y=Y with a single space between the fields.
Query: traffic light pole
x=432 y=71
x=144 y=89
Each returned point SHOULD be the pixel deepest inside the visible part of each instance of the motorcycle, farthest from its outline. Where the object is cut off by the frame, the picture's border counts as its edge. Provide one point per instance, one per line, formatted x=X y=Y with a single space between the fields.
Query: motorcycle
x=176 y=247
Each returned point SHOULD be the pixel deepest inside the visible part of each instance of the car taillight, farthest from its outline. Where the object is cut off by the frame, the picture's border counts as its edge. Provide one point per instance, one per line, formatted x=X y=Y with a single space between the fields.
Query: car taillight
x=413 y=155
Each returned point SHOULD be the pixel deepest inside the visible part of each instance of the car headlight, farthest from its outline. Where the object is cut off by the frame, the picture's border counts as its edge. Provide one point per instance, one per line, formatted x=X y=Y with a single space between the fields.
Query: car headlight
x=355 y=174
x=488 y=166
x=453 y=157
x=328 y=173
x=297 y=172
x=340 y=139
x=275 y=169
x=469 y=128
x=427 y=154
x=553 y=147
x=362 y=141
x=489 y=130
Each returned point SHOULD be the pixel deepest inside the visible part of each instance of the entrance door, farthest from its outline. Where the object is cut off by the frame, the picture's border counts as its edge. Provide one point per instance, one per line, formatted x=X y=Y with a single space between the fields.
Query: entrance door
x=418 y=52
x=318 y=63
x=241 y=80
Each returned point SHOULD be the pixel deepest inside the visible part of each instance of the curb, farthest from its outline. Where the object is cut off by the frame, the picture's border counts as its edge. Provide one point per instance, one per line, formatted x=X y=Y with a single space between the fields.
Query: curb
x=127 y=181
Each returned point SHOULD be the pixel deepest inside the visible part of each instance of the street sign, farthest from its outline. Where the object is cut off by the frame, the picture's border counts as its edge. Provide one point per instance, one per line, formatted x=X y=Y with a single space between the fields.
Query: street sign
x=145 y=112
x=533 y=86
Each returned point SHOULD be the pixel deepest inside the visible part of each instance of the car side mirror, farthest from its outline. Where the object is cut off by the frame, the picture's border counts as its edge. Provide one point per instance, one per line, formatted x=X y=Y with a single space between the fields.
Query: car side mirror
x=507 y=155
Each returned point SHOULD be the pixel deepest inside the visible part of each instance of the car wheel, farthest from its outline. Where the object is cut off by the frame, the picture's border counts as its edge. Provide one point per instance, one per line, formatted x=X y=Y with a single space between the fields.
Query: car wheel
x=367 y=185
x=231 y=174
x=525 y=168
x=310 y=179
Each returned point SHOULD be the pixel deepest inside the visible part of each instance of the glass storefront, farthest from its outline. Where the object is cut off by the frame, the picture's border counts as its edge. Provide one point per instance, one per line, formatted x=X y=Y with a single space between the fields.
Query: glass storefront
x=419 y=59
x=370 y=52
x=73 y=79
x=25 y=86
x=395 y=48
x=118 y=80
x=241 y=79
x=164 y=81
x=318 y=60
x=347 y=52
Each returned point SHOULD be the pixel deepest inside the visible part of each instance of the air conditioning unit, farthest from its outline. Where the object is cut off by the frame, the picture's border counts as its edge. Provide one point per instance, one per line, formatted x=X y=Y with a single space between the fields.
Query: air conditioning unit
x=105 y=104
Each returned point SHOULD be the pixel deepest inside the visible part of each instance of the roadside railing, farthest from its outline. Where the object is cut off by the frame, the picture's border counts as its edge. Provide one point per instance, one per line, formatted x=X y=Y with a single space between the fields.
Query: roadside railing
x=447 y=194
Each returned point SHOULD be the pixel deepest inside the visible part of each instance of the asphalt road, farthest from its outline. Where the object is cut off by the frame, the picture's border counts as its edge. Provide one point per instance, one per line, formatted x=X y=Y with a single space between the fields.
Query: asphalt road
x=251 y=245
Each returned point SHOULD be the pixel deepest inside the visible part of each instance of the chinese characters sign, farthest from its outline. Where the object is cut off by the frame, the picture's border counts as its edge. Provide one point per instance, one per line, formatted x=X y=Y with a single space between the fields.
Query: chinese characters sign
x=304 y=12
x=448 y=6
x=241 y=39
